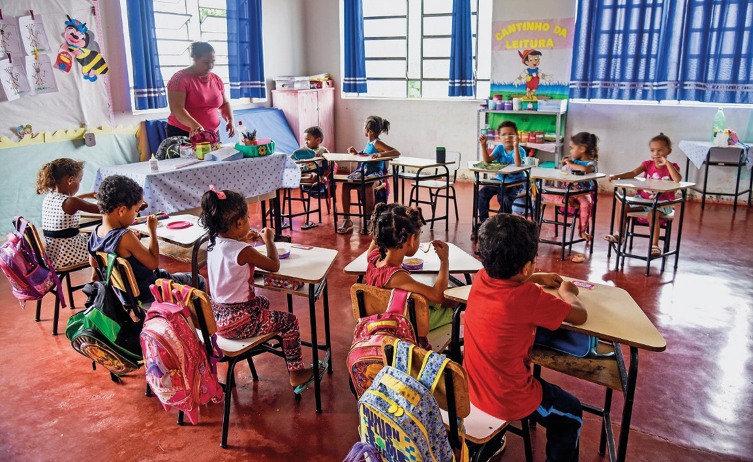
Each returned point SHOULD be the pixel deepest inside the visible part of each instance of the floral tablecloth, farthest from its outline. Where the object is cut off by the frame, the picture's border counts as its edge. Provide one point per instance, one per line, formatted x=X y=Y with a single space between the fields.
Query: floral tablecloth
x=173 y=190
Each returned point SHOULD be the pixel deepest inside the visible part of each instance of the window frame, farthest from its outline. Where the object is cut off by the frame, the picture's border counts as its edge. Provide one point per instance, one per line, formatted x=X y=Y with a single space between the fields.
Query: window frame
x=421 y=56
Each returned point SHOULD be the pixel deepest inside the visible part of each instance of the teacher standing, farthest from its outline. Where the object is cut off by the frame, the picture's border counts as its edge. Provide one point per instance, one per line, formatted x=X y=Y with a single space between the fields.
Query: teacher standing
x=195 y=95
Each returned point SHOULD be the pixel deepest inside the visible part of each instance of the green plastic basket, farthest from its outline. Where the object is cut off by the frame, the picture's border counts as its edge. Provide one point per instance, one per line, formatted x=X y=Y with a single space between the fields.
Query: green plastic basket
x=256 y=150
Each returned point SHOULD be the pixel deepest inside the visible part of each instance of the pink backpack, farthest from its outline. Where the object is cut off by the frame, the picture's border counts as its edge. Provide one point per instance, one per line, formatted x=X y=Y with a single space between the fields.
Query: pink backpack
x=22 y=265
x=176 y=364
x=365 y=355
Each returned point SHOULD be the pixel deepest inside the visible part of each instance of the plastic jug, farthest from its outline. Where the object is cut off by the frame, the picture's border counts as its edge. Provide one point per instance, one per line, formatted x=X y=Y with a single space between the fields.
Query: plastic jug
x=720 y=123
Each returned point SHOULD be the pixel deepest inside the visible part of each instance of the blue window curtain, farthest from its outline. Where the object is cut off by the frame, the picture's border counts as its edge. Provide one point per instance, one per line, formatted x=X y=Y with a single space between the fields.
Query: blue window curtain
x=245 y=49
x=148 y=87
x=462 y=80
x=354 y=78
x=653 y=50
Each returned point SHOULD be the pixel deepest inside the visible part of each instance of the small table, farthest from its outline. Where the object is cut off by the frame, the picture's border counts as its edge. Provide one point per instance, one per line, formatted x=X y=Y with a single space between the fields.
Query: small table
x=700 y=153
x=654 y=186
x=507 y=170
x=362 y=182
x=174 y=190
x=420 y=164
x=613 y=316
x=459 y=260
x=539 y=175
x=190 y=238
x=309 y=266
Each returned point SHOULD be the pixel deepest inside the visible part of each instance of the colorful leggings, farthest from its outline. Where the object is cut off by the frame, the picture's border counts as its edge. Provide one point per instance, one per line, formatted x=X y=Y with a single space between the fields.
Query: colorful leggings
x=254 y=318
x=584 y=200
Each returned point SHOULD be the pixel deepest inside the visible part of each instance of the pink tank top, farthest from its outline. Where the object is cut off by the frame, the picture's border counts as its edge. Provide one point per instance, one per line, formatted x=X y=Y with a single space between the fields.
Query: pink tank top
x=378 y=277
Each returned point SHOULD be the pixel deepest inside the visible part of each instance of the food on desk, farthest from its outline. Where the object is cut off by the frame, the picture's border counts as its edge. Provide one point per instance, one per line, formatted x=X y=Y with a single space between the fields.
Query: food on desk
x=413 y=264
x=283 y=250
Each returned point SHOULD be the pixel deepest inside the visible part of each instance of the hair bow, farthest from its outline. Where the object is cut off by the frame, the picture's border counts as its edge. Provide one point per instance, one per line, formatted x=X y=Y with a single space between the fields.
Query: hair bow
x=220 y=194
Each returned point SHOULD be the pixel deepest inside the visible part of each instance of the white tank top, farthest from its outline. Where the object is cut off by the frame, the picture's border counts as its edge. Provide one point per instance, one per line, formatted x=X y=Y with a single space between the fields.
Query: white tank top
x=229 y=282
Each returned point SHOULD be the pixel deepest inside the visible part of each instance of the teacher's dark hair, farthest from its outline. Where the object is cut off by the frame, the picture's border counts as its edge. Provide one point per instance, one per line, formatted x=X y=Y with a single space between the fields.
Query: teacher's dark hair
x=199 y=49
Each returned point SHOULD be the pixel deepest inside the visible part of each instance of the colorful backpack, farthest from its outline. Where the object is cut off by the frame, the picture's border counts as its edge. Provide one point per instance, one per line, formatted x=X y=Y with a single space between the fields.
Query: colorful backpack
x=398 y=414
x=365 y=355
x=105 y=332
x=177 y=367
x=25 y=269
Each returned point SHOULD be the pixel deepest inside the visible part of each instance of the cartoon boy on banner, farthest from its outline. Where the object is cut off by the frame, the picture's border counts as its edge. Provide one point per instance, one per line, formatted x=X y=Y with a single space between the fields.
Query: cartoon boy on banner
x=79 y=41
x=531 y=75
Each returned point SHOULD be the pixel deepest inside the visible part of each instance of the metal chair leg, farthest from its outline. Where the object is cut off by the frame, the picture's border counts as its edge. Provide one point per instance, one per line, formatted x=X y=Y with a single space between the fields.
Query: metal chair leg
x=39 y=310
x=253 y=369
x=70 y=290
x=230 y=381
x=526 y=440
x=180 y=417
x=455 y=201
x=57 y=314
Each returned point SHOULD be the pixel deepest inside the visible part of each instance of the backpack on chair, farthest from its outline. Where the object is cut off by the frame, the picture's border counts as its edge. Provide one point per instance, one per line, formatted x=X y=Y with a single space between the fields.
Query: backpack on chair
x=24 y=268
x=399 y=415
x=179 y=369
x=365 y=355
x=105 y=332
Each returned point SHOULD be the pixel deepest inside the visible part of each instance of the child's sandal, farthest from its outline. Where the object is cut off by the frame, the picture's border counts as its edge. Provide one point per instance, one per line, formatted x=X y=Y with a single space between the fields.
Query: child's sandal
x=655 y=251
x=322 y=369
x=579 y=258
x=346 y=227
x=612 y=238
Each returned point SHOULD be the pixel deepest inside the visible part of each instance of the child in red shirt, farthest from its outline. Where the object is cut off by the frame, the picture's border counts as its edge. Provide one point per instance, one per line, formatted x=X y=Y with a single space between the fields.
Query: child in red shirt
x=505 y=307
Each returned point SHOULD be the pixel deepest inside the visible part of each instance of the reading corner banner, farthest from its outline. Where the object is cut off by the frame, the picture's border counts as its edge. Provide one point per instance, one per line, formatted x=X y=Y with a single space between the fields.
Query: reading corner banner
x=532 y=49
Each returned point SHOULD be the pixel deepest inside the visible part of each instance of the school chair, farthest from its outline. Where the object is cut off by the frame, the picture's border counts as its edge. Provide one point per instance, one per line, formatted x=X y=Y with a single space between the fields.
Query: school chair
x=369 y=300
x=573 y=213
x=640 y=218
x=436 y=185
x=307 y=191
x=123 y=280
x=234 y=351
x=63 y=273
x=454 y=403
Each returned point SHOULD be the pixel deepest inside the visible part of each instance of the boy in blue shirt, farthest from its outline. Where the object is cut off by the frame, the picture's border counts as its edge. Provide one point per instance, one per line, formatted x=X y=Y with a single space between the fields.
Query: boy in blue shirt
x=509 y=152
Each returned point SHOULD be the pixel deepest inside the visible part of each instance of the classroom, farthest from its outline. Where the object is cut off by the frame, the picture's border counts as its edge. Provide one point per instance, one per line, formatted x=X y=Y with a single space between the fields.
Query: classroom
x=472 y=230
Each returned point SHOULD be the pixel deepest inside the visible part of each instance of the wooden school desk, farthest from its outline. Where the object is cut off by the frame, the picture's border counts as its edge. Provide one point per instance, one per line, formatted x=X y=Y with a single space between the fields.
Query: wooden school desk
x=362 y=182
x=654 y=186
x=508 y=170
x=398 y=173
x=613 y=316
x=459 y=262
x=700 y=153
x=309 y=266
x=187 y=238
x=568 y=180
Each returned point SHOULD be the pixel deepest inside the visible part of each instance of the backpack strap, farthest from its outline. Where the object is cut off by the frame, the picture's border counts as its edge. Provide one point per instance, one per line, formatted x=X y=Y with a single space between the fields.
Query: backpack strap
x=403 y=356
x=431 y=370
x=398 y=303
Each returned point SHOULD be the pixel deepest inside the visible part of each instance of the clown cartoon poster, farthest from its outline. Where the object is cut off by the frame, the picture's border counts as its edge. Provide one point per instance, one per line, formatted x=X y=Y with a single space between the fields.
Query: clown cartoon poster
x=532 y=50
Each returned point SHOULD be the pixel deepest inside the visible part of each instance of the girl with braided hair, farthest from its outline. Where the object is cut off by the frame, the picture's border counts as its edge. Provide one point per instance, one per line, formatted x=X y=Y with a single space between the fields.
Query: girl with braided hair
x=396 y=233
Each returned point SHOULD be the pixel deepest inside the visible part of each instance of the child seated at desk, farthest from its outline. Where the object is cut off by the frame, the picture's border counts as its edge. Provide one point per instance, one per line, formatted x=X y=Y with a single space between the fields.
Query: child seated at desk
x=509 y=152
x=238 y=311
x=396 y=234
x=504 y=308
x=61 y=211
x=120 y=199
x=312 y=139
x=376 y=148
x=656 y=168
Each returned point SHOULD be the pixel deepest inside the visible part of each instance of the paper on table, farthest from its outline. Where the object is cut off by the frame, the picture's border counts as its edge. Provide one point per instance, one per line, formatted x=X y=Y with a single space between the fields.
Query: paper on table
x=225 y=153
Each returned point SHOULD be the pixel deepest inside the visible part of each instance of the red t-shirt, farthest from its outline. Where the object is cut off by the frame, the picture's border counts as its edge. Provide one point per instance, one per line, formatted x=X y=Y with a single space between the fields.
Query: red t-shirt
x=660 y=174
x=500 y=326
x=379 y=277
x=203 y=99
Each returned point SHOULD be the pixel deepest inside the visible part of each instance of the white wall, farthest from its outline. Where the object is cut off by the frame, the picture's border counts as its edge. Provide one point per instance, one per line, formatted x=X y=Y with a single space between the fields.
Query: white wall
x=284 y=53
x=418 y=126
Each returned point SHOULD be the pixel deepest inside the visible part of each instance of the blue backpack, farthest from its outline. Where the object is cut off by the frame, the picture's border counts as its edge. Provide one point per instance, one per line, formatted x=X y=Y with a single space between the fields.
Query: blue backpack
x=569 y=342
x=398 y=414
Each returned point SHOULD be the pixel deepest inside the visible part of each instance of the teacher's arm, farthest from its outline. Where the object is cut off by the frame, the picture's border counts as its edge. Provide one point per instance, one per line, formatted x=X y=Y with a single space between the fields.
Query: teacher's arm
x=177 y=102
x=227 y=113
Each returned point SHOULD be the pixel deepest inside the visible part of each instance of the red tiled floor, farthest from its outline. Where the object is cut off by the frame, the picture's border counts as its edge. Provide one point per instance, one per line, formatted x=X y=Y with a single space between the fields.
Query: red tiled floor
x=692 y=401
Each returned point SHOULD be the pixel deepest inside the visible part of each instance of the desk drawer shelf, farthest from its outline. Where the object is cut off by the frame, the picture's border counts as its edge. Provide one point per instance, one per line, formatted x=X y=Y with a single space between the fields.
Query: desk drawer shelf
x=601 y=371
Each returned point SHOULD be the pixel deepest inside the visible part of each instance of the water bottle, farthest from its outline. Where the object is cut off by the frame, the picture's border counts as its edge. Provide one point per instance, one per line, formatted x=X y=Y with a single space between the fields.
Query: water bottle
x=719 y=123
x=238 y=133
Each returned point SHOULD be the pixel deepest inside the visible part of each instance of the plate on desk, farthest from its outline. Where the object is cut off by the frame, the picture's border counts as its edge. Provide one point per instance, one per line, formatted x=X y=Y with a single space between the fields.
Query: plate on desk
x=283 y=250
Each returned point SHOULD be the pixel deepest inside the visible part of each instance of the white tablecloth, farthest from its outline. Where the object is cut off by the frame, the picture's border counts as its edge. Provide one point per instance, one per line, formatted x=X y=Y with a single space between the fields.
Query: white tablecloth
x=174 y=190
x=697 y=151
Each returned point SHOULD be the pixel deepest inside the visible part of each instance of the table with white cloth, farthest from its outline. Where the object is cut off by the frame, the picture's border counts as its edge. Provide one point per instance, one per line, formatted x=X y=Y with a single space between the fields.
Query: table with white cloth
x=699 y=152
x=174 y=189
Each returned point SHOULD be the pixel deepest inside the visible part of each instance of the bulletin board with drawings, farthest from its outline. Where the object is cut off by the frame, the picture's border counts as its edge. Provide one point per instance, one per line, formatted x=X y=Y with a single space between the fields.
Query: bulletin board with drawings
x=53 y=70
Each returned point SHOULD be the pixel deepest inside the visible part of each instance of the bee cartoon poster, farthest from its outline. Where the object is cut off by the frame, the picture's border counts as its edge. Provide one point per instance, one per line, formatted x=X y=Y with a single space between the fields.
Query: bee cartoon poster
x=532 y=49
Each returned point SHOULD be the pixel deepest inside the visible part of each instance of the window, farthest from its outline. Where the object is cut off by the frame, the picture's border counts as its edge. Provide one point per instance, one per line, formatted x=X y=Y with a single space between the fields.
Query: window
x=407 y=47
x=178 y=23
